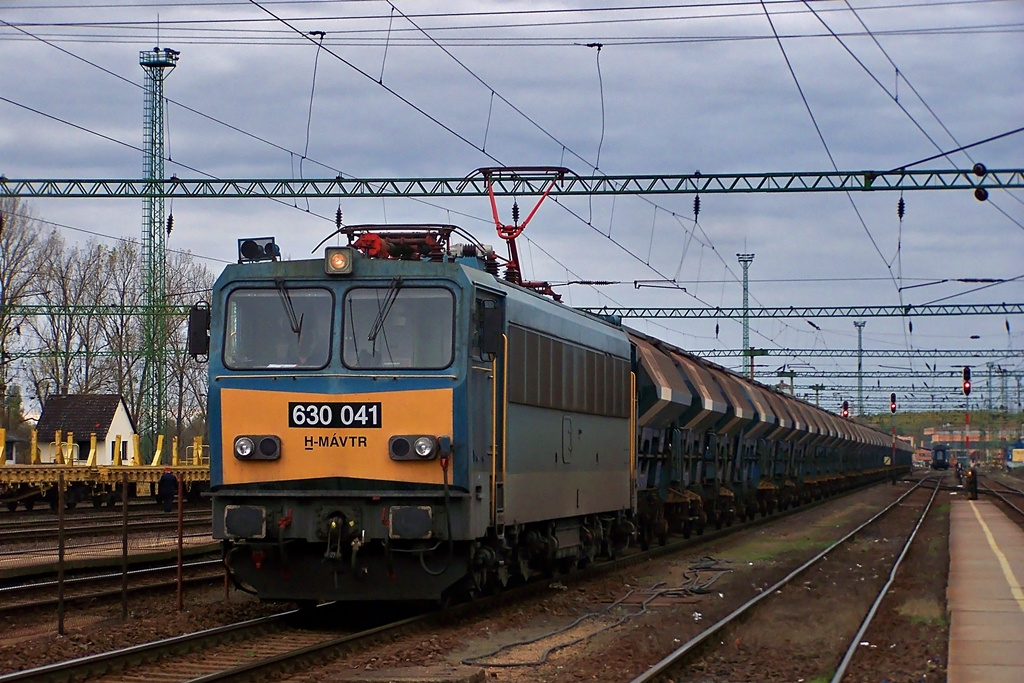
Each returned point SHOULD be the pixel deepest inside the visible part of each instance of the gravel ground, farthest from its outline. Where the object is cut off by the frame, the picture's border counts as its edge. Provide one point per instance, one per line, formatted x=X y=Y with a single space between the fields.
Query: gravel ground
x=30 y=639
x=913 y=627
x=625 y=637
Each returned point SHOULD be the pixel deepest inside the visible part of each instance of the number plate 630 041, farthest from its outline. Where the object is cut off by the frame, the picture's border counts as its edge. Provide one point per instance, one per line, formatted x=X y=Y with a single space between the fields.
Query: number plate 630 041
x=334 y=415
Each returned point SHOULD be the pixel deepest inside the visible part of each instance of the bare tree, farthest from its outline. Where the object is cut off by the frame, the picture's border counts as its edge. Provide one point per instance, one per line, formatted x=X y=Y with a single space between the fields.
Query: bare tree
x=19 y=246
x=72 y=281
x=190 y=282
x=122 y=331
x=86 y=337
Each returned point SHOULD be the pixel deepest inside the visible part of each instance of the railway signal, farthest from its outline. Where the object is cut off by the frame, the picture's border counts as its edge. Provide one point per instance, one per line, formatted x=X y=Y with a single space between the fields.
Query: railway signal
x=892 y=421
x=846 y=409
x=967 y=381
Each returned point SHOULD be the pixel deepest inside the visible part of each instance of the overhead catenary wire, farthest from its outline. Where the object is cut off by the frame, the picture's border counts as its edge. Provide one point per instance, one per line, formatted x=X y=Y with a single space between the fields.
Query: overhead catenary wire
x=451 y=130
x=895 y=98
x=731 y=10
x=218 y=121
x=690 y=236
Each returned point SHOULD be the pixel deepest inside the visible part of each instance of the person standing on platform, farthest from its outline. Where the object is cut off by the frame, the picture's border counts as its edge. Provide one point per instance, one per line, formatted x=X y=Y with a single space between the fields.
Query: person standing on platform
x=166 y=488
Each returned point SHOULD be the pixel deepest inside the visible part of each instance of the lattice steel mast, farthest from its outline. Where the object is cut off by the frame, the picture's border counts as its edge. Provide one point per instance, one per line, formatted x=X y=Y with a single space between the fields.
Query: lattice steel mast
x=859 y=324
x=157 y=64
x=745 y=261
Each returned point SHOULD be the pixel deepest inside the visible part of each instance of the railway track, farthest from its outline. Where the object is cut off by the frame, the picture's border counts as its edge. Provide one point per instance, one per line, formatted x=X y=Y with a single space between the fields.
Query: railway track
x=45 y=530
x=1002 y=488
x=17 y=598
x=1008 y=498
x=142 y=505
x=250 y=650
x=259 y=648
x=676 y=665
x=147 y=510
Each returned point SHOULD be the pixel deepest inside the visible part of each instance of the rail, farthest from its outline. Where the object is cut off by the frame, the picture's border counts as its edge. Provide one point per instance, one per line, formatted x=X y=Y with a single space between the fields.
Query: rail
x=663 y=668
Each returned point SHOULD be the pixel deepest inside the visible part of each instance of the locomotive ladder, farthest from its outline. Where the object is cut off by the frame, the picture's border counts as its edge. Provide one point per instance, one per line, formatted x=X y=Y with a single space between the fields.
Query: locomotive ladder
x=499 y=424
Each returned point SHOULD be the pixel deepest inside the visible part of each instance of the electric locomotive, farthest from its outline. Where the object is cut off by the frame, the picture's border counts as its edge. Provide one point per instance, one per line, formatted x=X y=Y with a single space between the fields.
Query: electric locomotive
x=393 y=422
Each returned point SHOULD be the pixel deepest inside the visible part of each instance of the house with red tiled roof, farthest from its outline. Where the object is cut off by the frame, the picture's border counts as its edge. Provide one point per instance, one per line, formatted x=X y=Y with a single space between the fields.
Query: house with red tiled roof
x=82 y=415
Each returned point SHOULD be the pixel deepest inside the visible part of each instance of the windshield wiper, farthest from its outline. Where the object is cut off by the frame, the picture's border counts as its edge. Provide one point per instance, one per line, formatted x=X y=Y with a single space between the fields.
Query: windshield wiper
x=385 y=308
x=295 y=323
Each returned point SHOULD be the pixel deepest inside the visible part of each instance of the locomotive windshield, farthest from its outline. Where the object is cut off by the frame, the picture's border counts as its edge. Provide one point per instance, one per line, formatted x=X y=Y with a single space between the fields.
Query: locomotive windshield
x=398 y=327
x=285 y=327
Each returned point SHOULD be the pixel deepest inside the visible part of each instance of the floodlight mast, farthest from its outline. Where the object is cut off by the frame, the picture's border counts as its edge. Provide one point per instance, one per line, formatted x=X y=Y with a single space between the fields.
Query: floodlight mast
x=151 y=411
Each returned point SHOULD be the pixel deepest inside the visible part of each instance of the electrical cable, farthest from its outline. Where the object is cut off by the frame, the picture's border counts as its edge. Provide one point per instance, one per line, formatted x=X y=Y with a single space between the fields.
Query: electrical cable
x=126 y=240
x=691 y=236
x=445 y=126
x=897 y=102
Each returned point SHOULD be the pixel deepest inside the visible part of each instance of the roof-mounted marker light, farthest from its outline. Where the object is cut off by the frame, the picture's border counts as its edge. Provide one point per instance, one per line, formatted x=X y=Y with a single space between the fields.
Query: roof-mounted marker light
x=338 y=260
x=253 y=249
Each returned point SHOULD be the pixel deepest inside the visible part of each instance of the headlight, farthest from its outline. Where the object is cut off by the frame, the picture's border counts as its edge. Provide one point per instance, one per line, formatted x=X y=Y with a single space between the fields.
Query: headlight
x=412 y=447
x=243 y=447
x=424 y=446
x=257 y=447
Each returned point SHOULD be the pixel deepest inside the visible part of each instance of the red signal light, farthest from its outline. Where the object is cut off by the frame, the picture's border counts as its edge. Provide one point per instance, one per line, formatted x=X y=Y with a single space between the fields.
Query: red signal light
x=967 y=381
x=846 y=409
x=892 y=403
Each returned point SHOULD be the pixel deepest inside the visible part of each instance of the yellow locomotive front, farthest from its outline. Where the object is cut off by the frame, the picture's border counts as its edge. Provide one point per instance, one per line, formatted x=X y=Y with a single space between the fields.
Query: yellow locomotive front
x=334 y=469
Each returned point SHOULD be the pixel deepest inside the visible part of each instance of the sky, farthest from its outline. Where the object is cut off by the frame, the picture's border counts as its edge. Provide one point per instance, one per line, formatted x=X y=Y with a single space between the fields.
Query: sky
x=438 y=89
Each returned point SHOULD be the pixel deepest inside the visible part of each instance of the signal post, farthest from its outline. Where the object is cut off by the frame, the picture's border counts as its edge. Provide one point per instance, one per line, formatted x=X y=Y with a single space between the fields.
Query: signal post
x=967 y=414
x=892 y=458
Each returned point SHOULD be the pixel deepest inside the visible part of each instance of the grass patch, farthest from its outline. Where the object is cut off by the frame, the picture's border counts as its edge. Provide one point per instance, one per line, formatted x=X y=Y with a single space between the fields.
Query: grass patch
x=923 y=611
x=768 y=548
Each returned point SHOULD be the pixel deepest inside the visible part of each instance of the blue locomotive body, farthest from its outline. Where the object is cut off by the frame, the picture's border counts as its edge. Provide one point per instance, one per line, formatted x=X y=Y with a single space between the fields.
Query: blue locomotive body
x=416 y=427
x=415 y=451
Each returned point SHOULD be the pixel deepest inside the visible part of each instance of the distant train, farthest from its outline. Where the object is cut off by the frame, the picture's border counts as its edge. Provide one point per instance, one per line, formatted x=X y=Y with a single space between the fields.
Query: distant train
x=940 y=456
x=395 y=421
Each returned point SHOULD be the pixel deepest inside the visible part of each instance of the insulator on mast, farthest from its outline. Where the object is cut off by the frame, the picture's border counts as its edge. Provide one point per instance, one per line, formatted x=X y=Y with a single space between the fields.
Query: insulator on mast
x=515 y=213
x=170 y=223
x=901 y=208
x=337 y=219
